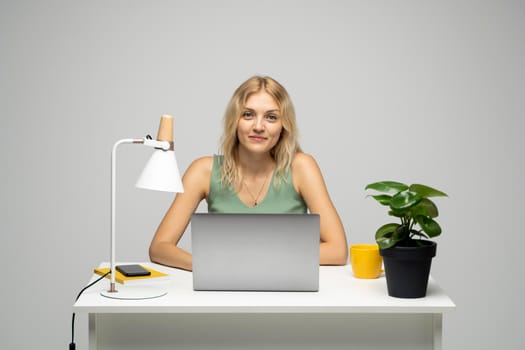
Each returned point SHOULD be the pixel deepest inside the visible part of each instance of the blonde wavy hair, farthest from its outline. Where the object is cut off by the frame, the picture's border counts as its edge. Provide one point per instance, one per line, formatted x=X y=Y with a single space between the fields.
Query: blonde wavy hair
x=288 y=144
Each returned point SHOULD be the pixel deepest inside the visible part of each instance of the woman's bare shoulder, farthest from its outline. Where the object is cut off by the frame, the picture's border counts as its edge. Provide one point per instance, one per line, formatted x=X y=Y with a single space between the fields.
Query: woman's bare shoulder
x=305 y=172
x=201 y=167
x=203 y=162
x=197 y=177
x=303 y=162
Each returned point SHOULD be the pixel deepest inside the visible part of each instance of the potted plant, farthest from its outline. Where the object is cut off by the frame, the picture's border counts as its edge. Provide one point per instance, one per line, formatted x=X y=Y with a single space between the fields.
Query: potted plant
x=405 y=246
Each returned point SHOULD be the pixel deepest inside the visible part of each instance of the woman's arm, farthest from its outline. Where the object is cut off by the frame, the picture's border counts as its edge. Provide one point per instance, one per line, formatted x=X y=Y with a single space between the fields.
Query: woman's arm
x=310 y=184
x=163 y=248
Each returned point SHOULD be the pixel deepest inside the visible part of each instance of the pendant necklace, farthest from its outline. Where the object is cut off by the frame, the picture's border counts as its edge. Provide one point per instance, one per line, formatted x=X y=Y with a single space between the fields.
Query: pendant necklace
x=255 y=199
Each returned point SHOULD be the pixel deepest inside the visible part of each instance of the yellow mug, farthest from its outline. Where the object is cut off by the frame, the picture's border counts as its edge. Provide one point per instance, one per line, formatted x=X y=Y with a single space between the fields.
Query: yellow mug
x=366 y=261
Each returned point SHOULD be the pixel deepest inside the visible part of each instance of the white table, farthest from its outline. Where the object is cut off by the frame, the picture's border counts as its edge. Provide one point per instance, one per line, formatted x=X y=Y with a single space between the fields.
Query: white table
x=346 y=313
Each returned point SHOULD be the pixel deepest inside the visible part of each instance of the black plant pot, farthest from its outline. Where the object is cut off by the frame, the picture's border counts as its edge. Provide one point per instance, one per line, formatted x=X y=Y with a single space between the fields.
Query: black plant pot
x=407 y=269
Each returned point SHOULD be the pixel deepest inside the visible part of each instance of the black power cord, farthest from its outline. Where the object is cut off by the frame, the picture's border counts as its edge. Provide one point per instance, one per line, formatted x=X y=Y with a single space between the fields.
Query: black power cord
x=72 y=345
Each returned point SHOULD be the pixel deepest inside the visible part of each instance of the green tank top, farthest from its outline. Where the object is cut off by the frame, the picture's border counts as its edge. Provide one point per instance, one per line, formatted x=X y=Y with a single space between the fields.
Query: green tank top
x=282 y=199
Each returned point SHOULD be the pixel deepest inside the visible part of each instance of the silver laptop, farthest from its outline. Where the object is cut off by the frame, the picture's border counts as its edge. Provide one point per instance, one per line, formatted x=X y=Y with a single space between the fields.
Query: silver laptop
x=255 y=252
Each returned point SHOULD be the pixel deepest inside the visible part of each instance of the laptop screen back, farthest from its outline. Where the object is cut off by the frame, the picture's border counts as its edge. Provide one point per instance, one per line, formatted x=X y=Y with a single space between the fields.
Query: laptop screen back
x=255 y=252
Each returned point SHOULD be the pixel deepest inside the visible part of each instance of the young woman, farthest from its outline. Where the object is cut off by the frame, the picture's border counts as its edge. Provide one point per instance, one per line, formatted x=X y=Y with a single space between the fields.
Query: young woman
x=261 y=170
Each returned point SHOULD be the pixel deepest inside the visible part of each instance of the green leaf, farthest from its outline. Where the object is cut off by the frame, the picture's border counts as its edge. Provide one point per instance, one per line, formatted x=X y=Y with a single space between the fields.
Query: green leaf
x=397 y=213
x=383 y=199
x=386 y=230
x=384 y=235
x=387 y=186
x=428 y=225
x=404 y=200
x=426 y=207
x=425 y=191
x=385 y=242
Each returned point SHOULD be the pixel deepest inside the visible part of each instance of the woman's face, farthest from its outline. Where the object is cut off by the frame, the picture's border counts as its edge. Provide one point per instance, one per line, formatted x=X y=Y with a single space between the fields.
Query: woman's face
x=260 y=124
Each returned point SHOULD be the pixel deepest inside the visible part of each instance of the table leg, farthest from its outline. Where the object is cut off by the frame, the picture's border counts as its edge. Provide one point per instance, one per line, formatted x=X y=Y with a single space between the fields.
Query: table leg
x=437 y=325
x=92 y=332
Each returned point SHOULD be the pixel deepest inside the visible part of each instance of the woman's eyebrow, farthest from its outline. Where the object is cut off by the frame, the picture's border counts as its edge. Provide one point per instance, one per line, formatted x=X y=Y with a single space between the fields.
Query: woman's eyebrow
x=268 y=111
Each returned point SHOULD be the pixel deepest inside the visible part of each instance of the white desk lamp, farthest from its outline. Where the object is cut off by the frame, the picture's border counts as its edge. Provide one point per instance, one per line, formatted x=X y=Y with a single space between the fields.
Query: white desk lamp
x=161 y=174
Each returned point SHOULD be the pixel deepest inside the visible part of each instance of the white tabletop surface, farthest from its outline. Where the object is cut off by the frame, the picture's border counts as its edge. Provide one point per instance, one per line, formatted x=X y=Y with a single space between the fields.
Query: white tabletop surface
x=339 y=291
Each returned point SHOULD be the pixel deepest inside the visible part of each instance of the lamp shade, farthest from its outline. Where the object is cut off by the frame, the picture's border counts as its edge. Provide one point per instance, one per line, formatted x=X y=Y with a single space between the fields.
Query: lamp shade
x=161 y=173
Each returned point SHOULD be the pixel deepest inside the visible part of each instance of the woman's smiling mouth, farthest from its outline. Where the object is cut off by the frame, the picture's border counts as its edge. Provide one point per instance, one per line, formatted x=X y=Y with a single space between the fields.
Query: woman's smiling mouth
x=257 y=138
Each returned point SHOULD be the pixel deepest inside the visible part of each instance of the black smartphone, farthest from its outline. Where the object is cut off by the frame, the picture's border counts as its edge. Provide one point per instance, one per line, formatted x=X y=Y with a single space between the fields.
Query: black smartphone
x=133 y=270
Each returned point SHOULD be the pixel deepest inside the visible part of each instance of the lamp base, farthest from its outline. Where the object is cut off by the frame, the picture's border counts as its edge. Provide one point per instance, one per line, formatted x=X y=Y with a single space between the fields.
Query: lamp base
x=134 y=293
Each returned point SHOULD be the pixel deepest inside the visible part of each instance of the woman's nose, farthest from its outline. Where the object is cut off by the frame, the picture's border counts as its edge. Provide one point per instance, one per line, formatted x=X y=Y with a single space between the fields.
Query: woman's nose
x=258 y=124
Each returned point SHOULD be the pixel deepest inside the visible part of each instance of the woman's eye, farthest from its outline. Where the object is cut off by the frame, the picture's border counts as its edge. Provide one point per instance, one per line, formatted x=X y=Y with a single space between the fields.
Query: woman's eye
x=271 y=117
x=247 y=115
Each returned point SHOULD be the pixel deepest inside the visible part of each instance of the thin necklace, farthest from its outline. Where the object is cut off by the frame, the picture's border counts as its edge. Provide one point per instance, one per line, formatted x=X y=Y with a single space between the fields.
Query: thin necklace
x=255 y=199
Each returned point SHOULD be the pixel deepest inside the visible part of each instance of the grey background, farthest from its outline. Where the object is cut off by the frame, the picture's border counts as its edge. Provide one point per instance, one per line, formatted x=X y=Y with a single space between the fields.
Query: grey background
x=414 y=91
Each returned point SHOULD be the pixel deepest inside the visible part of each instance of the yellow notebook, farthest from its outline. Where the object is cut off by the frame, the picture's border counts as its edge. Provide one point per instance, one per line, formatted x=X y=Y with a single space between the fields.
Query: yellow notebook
x=120 y=278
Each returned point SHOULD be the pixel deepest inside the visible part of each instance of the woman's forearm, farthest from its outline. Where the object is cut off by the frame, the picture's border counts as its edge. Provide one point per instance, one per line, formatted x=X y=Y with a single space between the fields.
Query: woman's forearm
x=333 y=254
x=169 y=254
